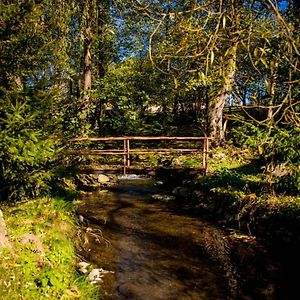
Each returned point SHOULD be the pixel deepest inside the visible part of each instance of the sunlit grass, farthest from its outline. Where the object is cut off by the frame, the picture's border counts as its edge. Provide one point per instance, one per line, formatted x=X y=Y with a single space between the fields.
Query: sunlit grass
x=28 y=272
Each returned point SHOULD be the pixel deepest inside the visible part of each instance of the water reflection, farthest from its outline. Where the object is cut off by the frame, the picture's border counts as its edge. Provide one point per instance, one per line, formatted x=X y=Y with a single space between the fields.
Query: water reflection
x=157 y=254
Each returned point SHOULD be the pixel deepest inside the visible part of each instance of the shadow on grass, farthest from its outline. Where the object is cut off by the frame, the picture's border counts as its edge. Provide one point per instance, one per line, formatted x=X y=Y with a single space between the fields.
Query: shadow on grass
x=252 y=168
x=247 y=178
x=64 y=193
x=62 y=186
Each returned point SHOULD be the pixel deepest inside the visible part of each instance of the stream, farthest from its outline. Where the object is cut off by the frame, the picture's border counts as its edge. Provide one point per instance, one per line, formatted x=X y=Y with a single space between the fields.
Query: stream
x=157 y=252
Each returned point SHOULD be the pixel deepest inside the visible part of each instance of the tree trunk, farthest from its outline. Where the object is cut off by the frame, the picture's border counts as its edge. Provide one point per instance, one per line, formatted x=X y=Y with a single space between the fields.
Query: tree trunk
x=103 y=15
x=215 y=116
x=103 y=18
x=217 y=102
x=271 y=104
x=87 y=73
x=271 y=88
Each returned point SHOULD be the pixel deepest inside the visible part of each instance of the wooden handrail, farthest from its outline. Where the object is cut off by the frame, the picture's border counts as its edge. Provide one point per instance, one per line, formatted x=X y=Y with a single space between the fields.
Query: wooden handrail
x=139 y=138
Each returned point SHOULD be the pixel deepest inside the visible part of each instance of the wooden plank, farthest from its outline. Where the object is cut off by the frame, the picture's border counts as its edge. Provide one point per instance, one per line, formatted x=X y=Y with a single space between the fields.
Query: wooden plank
x=132 y=151
x=95 y=152
x=139 y=138
x=204 y=156
x=135 y=169
x=164 y=151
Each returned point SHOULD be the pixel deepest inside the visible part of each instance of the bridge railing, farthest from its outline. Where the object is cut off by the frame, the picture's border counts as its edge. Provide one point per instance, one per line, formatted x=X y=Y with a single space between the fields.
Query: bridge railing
x=126 y=151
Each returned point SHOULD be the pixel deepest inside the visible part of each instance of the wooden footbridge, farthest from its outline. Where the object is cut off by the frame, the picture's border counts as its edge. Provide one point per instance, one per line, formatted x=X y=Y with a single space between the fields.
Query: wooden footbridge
x=126 y=151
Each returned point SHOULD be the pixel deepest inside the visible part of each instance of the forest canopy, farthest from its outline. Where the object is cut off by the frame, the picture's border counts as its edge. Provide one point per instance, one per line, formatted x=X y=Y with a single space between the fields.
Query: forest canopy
x=226 y=69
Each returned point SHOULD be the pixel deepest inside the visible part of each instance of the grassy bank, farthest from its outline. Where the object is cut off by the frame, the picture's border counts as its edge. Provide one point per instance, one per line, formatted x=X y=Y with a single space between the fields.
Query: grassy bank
x=238 y=193
x=42 y=263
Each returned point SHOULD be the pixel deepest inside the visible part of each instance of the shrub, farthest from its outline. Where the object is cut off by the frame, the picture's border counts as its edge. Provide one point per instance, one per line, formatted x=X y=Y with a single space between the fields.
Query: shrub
x=290 y=183
x=275 y=146
x=26 y=152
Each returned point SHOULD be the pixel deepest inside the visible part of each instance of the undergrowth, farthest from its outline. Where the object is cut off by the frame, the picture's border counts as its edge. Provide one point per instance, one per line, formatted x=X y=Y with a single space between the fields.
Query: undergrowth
x=44 y=266
x=239 y=192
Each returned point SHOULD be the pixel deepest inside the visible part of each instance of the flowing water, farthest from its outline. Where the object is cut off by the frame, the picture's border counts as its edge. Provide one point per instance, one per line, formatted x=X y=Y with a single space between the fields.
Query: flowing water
x=157 y=253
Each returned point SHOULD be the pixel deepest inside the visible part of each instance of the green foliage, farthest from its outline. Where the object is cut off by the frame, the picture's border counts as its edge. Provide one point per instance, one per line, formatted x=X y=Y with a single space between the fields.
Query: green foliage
x=288 y=184
x=192 y=162
x=285 y=146
x=33 y=66
x=129 y=88
x=247 y=136
x=223 y=178
x=33 y=43
x=26 y=152
x=241 y=197
x=48 y=273
x=276 y=146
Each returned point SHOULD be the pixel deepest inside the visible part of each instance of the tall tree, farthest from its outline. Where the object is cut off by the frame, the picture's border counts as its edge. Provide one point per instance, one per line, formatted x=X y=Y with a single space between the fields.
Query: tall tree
x=94 y=22
x=33 y=70
x=211 y=43
x=104 y=51
x=88 y=30
x=203 y=44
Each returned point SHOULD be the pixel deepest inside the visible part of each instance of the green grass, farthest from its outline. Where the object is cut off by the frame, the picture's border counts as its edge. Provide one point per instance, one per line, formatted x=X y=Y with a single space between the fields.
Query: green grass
x=27 y=272
x=238 y=193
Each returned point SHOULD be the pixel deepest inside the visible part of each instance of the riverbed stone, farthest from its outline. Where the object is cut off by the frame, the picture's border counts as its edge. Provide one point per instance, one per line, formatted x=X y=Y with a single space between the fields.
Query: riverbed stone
x=103 y=178
x=152 y=173
x=128 y=290
x=91 y=182
x=162 y=197
x=4 y=241
x=83 y=266
x=95 y=276
x=84 y=179
x=29 y=238
x=182 y=192
x=219 y=155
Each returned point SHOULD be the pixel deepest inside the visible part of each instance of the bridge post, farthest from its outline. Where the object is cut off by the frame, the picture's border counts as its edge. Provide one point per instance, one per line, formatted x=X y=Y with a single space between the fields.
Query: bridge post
x=124 y=156
x=128 y=153
x=205 y=154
